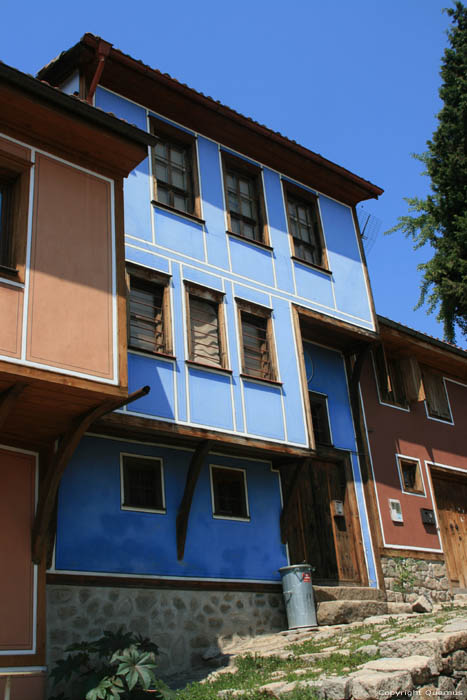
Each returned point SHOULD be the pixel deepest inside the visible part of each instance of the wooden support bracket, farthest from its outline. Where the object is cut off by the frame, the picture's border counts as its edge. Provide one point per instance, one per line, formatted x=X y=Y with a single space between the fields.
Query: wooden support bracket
x=57 y=465
x=301 y=466
x=8 y=399
x=185 y=506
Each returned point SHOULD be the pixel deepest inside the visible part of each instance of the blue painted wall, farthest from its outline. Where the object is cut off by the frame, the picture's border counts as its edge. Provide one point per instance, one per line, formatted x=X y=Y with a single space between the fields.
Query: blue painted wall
x=94 y=534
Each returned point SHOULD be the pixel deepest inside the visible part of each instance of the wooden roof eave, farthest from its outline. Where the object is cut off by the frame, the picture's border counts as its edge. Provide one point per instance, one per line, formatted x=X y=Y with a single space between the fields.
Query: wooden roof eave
x=163 y=94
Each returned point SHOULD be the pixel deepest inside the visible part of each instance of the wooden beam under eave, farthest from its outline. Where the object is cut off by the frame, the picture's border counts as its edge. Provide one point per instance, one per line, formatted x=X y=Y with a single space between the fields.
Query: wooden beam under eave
x=8 y=399
x=57 y=466
x=183 y=515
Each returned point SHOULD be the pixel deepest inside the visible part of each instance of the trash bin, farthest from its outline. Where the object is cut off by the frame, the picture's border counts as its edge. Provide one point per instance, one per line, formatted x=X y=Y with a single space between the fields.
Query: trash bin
x=298 y=595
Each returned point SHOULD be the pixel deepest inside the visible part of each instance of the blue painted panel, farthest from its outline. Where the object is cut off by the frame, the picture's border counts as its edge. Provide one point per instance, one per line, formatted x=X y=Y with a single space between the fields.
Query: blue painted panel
x=248 y=260
x=122 y=108
x=143 y=257
x=252 y=295
x=179 y=346
x=314 y=285
x=136 y=185
x=278 y=230
x=71 y=85
x=326 y=374
x=210 y=398
x=94 y=534
x=230 y=315
x=213 y=203
x=344 y=259
x=159 y=375
x=177 y=233
x=202 y=278
x=263 y=408
x=287 y=359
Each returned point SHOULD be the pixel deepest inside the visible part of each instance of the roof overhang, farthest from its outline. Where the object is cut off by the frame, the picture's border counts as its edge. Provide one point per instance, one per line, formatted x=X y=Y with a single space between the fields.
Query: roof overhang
x=42 y=115
x=176 y=101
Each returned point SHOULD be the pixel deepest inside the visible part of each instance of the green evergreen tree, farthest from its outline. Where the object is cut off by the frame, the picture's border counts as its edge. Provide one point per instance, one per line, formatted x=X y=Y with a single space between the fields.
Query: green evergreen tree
x=441 y=218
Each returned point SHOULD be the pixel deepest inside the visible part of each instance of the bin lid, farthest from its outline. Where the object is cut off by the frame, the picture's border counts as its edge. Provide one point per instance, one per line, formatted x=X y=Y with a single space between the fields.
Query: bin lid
x=295 y=567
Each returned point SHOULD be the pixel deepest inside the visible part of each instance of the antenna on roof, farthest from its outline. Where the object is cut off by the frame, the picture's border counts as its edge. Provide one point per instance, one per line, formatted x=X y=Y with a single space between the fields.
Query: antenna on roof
x=369 y=228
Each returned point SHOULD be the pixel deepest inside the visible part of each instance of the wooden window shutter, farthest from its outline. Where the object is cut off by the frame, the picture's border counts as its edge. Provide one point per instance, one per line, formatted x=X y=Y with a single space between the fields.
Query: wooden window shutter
x=382 y=375
x=412 y=379
x=436 y=396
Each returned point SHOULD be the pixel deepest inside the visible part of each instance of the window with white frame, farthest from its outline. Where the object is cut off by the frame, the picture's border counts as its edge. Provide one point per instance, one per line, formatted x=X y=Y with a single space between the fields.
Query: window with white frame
x=229 y=493
x=142 y=483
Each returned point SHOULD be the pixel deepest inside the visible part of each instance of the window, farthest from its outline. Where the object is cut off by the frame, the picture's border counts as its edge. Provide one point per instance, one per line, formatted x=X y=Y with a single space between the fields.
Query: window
x=410 y=474
x=149 y=311
x=14 y=208
x=6 y=232
x=436 y=395
x=390 y=378
x=175 y=169
x=229 y=493
x=206 y=332
x=320 y=418
x=257 y=352
x=305 y=225
x=244 y=199
x=142 y=483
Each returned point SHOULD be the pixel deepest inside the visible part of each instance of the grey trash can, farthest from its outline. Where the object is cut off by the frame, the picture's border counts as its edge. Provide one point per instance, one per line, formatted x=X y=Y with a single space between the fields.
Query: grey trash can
x=298 y=595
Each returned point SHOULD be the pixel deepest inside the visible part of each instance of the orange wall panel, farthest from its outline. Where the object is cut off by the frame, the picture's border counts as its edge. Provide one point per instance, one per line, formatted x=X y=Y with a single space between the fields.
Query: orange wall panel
x=17 y=496
x=11 y=314
x=70 y=305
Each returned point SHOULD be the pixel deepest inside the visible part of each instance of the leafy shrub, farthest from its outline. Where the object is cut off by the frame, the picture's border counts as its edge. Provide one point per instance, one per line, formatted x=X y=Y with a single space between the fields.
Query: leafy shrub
x=118 y=666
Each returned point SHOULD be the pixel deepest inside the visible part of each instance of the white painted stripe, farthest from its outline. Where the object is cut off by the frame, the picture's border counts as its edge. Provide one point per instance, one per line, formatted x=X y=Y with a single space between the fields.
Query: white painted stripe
x=27 y=271
x=150 y=577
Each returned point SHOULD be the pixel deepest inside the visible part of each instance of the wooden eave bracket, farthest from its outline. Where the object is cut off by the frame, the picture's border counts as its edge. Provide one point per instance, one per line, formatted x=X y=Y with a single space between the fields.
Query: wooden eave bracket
x=192 y=476
x=57 y=465
x=103 y=50
x=301 y=466
x=9 y=398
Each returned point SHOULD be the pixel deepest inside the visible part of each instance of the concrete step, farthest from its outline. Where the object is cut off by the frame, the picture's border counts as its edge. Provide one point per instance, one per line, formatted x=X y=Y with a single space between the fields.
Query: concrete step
x=338 y=612
x=399 y=608
x=327 y=593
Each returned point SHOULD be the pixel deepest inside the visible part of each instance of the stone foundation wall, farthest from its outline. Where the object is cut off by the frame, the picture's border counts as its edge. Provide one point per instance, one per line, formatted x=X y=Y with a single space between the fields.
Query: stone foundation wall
x=430 y=579
x=183 y=623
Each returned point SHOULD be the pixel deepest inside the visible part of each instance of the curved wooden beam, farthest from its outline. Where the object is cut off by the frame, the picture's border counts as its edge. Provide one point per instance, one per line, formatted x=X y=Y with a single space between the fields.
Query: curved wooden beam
x=57 y=465
x=193 y=473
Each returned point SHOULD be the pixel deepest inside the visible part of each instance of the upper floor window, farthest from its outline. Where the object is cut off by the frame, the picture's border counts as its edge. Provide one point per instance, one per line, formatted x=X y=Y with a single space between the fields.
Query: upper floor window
x=206 y=331
x=175 y=169
x=320 y=418
x=305 y=225
x=257 y=341
x=436 y=395
x=390 y=378
x=149 y=311
x=6 y=224
x=244 y=199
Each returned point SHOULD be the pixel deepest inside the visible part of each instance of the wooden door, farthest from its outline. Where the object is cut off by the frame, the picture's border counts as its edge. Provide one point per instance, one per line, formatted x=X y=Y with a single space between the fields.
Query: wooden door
x=314 y=534
x=451 y=501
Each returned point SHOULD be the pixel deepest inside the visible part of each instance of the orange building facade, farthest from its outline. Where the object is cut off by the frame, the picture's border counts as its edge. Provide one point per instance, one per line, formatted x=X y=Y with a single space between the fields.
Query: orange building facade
x=62 y=331
x=414 y=398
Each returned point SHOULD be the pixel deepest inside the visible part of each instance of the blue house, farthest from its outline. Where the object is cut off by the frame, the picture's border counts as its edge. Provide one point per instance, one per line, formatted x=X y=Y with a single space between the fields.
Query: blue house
x=249 y=310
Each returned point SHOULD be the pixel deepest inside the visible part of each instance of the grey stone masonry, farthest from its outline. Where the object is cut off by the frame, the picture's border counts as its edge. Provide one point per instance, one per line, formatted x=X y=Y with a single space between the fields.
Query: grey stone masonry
x=422 y=577
x=185 y=624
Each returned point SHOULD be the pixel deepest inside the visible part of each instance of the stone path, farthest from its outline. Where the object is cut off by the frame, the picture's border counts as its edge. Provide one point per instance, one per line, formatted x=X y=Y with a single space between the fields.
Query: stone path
x=385 y=656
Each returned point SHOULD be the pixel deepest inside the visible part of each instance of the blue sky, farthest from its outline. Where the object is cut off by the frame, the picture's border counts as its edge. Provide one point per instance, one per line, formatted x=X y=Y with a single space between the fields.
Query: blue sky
x=355 y=81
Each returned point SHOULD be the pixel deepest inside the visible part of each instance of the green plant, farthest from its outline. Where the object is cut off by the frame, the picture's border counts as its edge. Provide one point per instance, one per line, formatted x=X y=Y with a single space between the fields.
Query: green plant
x=118 y=665
x=405 y=577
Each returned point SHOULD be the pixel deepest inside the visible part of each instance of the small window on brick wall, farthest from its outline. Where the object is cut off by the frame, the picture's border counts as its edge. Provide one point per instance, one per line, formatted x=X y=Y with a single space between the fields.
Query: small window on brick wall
x=436 y=395
x=410 y=474
x=142 y=483
x=229 y=493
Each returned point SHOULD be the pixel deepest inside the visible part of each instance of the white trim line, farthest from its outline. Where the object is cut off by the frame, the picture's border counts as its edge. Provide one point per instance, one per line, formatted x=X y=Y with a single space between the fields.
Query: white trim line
x=112 y=574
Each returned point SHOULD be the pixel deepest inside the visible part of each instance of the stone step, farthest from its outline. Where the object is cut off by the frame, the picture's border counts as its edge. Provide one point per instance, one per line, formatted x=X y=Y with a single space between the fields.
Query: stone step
x=338 y=612
x=460 y=598
x=327 y=593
